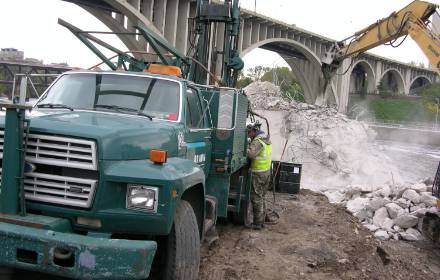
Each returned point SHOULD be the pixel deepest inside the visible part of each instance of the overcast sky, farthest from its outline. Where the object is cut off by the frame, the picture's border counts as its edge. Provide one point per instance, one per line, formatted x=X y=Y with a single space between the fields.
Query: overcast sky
x=31 y=26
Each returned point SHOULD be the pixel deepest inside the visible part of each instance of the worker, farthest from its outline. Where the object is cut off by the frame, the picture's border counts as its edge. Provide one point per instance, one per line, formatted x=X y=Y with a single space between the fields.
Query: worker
x=260 y=155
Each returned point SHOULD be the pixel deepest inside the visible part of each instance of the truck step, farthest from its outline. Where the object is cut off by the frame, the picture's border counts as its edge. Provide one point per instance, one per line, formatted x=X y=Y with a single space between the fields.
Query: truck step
x=209 y=223
x=233 y=195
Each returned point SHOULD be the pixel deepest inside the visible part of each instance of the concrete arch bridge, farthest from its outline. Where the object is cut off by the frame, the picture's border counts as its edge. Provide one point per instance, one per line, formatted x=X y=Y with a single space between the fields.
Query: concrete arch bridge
x=301 y=49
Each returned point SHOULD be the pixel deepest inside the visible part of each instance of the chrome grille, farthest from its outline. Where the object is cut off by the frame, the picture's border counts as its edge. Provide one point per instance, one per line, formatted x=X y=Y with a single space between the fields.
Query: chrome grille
x=59 y=189
x=59 y=151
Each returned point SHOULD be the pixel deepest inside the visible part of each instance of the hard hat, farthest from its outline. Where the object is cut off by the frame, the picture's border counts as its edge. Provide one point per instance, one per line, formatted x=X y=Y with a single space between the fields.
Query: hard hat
x=253 y=125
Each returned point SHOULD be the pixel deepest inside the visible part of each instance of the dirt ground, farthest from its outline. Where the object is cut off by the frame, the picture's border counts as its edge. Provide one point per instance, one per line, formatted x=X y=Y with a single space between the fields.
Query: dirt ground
x=314 y=240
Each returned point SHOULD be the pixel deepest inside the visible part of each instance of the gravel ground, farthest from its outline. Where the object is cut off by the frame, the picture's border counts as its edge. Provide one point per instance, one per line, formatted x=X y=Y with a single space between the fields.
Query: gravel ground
x=315 y=240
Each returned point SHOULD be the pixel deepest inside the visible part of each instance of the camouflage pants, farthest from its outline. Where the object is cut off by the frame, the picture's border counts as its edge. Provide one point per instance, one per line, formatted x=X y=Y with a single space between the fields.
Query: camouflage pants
x=260 y=184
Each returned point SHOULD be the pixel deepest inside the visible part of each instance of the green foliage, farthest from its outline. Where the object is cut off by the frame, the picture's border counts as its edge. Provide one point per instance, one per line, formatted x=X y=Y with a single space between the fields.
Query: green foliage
x=394 y=109
x=257 y=72
x=283 y=77
x=431 y=96
x=384 y=91
x=431 y=91
x=244 y=82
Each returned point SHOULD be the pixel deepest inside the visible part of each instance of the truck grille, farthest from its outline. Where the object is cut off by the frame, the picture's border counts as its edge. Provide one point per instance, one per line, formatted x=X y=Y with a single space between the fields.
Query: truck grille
x=59 y=189
x=59 y=151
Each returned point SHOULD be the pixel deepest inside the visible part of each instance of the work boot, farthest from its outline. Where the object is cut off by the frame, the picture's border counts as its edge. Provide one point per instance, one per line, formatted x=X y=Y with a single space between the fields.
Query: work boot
x=256 y=226
x=271 y=219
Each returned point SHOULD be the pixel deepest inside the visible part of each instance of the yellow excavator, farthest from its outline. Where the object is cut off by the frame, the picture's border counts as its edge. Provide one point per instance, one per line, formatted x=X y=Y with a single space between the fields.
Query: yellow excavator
x=413 y=20
x=418 y=20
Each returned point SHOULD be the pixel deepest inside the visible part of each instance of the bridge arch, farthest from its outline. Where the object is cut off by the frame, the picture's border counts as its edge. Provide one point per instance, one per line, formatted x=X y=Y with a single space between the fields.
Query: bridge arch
x=304 y=63
x=362 y=77
x=393 y=80
x=418 y=83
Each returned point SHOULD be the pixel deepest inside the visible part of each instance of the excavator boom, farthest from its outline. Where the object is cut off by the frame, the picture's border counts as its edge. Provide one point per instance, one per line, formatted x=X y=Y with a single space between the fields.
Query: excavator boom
x=412 y=20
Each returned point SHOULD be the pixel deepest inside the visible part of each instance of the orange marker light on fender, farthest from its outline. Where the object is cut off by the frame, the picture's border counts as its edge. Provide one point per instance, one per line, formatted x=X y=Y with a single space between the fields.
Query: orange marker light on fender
x=158 y=156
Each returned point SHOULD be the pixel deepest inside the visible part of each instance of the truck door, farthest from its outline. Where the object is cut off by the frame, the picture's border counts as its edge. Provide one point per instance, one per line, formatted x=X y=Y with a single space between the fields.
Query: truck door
x=198 y=132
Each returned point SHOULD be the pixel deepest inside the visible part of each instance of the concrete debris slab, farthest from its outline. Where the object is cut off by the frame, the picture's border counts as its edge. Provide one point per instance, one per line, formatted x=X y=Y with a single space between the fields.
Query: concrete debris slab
x=406 y=221
x=427 y=199
x=411 y=195
x=411 y=235
x=382 y=235
x=357 y=204
x=388 y=224
x=379 y=216
x=394 y=210
x=420 y=187
x=377 y=202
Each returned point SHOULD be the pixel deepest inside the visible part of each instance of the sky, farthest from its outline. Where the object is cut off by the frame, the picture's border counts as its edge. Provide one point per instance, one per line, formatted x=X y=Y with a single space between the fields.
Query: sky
x=31 y=26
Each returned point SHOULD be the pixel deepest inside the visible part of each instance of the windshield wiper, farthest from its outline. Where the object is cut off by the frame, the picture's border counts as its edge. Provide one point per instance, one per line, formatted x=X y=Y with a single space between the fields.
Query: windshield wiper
x=120 y=108
x=54 y=106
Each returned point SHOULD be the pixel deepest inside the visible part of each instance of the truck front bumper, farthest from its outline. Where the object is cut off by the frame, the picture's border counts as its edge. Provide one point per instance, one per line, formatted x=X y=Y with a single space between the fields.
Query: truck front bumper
x=73 y=255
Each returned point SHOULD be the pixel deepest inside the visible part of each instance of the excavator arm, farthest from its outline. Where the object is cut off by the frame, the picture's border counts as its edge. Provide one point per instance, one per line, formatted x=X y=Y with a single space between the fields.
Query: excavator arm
x=412 y=20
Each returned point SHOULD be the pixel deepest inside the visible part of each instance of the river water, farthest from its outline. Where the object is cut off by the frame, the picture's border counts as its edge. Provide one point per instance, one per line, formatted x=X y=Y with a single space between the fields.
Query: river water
x=415 y=162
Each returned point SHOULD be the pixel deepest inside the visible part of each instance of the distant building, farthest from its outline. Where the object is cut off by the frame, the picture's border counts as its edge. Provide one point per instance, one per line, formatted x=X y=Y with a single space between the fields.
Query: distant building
x=14 y=55
x=11 y=54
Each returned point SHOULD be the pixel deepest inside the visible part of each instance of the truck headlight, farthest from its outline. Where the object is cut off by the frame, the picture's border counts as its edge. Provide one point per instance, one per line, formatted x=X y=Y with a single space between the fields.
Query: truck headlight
x=142 y=198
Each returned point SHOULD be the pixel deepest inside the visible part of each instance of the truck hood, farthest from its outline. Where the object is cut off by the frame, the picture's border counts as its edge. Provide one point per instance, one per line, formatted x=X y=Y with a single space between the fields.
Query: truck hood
x=119 y=136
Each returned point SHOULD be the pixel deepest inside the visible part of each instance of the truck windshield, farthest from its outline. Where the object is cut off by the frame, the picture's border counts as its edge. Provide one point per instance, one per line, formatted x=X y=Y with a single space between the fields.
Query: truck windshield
x=127 y=94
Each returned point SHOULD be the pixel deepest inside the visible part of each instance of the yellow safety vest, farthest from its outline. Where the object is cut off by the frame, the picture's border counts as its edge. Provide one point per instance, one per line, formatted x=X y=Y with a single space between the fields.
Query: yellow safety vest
x=263 y=160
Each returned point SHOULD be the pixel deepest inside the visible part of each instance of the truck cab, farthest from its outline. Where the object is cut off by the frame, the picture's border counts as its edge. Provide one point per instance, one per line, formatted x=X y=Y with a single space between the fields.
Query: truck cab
x=126 y=156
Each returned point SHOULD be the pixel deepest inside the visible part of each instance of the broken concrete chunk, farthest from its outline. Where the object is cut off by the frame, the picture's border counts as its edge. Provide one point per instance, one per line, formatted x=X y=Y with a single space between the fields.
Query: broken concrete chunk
x=384 y=191
x=335 y=197
x=377 y=203
x=411 y=235
x=379 y=216
x=397 y=228
x=363 y=214
x=419 y=213
x=371 y=227
x=357 y=204
x=406 y=221
x=420 y=187
x=412 y=195
x=353 y=190
x=388 y=224
x=427 y=199
x=394 y=210
x=382 y=235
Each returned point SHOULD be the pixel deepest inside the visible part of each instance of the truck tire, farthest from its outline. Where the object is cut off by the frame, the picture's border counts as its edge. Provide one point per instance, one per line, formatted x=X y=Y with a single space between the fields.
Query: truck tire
x=246 y=215
x=183 y=245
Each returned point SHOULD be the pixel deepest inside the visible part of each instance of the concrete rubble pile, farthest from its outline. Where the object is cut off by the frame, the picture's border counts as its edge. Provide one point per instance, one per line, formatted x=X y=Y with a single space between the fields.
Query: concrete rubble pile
x=334 y=150
x=267 y=96
x=341 y=160
x=390 y=211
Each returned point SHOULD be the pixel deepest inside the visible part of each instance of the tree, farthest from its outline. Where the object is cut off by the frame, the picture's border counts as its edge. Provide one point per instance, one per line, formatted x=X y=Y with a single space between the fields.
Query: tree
x=384 y=90
x=431 y=96
x=244 y=82
x=283 y=77
x=257 y=72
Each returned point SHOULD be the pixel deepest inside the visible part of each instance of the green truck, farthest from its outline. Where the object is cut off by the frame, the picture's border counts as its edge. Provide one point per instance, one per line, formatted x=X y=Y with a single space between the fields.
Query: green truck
x=120 y=174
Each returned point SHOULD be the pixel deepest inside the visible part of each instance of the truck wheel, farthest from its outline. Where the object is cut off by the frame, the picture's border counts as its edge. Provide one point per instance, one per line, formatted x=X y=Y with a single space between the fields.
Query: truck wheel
x=246 y=215
x=183 y=245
